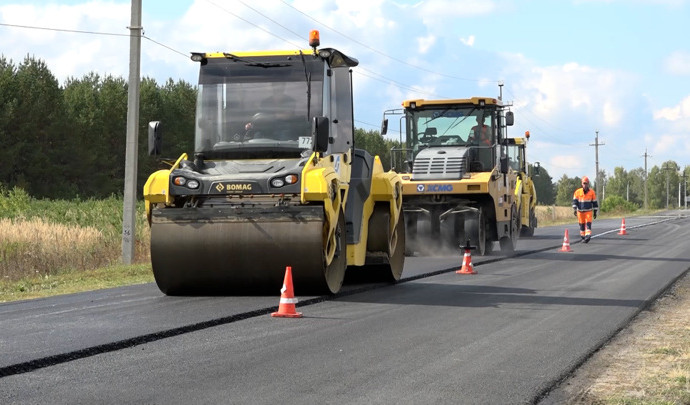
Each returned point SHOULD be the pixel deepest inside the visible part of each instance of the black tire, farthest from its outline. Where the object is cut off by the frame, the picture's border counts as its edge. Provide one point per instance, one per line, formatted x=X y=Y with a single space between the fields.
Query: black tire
x=509 y=243
x=475 y=230
x=379 y=239
x=529 y=230
x=334 y=273
x=410 y=233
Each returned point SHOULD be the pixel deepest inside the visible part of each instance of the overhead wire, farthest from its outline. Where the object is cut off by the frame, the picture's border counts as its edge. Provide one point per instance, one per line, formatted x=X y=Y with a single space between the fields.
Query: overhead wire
x=115 y=34
x=378 y=51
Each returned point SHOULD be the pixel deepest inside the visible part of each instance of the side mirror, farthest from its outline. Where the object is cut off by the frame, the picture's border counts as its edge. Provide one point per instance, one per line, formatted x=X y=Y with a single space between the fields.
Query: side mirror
x=155 y=138
x=320 y=135
x=510 y=119
x=384 y=126
x=504 y=164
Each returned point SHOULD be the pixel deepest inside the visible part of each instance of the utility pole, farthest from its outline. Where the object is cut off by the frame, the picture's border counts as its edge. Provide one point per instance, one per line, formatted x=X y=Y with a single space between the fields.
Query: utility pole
x=129 y=209
x=596 y=162
x=645 y=177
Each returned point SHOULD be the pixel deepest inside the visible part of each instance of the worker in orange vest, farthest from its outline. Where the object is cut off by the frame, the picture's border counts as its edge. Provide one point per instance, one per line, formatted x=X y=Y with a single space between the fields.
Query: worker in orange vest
x=585 y=207
x=481 y=133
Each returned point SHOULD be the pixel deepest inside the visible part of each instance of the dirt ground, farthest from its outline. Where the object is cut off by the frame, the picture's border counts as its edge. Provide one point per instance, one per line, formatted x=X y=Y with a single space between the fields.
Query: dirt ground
x=646 y=363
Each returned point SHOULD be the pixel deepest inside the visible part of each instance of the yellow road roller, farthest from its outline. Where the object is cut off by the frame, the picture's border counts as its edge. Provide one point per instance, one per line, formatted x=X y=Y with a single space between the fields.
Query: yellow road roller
x=275 y=180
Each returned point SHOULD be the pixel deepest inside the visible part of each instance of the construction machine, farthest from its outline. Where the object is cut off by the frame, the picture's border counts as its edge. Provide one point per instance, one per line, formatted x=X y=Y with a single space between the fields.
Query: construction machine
x=525 y=191
x=275 y=181
x=455 y=173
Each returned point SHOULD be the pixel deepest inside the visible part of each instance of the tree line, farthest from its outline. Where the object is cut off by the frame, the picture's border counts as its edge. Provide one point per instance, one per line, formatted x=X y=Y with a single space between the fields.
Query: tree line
x=68 y=141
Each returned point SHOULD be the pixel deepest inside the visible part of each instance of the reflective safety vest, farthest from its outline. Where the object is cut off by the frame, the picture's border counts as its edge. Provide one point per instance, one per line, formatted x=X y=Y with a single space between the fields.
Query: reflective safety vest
x=585 y=201
x=483 y=133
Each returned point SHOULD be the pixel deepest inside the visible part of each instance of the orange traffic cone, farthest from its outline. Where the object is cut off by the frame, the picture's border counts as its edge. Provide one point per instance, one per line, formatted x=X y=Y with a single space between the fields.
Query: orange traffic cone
x=286 y=309
x=566 y=243
x=467 y=261
x=623 y=231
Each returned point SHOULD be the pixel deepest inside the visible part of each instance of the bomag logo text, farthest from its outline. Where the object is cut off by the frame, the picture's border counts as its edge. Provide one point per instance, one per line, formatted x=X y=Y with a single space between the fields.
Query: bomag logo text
x=437 y=188
x=233 y=188
x=238 y=187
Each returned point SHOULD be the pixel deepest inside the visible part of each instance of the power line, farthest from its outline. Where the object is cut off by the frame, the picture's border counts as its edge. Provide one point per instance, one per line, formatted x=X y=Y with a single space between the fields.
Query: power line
x=377 y=51
x=384 y=79
x=114 y=34
x=254 y=25
x=165 y=46
x=64 y=30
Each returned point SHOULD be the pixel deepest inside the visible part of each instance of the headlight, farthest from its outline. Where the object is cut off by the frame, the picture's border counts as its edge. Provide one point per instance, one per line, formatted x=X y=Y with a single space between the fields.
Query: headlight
x=282 y=181
x=277 y=182
x=183 y=181
x=193 y=184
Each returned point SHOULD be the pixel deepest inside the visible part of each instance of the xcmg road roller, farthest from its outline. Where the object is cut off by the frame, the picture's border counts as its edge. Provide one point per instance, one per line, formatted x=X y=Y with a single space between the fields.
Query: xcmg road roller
x=456 y=176
x=275 y=180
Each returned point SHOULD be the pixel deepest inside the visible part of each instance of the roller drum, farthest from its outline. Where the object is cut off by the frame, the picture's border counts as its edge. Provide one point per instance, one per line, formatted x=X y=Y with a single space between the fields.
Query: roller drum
x=239 y=251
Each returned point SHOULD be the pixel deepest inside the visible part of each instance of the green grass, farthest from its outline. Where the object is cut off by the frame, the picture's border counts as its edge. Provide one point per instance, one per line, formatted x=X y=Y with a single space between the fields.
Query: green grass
x=68 y=282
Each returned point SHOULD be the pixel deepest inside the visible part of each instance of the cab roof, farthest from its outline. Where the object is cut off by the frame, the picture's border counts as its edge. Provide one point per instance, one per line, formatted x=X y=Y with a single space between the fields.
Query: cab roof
x=335 y=57
x=417 y=103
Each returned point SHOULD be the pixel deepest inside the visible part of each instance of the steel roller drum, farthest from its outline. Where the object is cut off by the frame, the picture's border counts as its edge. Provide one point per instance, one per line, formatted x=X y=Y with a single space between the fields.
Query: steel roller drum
x=238 y=251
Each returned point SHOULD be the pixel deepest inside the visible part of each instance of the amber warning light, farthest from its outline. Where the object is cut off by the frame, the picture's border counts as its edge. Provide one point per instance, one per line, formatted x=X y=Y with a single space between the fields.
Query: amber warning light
x=314 y=40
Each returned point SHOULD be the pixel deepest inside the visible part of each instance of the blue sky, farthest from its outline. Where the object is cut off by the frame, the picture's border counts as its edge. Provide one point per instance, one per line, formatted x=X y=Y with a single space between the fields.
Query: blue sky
x=569 y=67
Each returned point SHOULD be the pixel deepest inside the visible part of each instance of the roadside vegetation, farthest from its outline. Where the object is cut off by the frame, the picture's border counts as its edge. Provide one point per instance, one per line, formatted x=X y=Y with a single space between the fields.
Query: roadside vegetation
x=63 y=246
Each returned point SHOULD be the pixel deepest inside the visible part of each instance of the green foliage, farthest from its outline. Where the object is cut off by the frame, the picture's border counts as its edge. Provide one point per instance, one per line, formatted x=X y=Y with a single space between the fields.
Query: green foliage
x=374 y=143
x=69 y=142
x=14 y=203
x=565 y=188
x=104 y=214
x=543 y=185
x=616 y=204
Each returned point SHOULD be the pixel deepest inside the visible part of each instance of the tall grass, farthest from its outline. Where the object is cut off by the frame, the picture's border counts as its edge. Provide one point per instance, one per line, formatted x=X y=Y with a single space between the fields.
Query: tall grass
x=44 y=237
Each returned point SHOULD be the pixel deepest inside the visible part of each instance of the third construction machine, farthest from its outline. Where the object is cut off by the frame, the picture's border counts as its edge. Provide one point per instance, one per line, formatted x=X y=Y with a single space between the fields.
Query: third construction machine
x=457 y=182
x=275 y=181
x=525 y=191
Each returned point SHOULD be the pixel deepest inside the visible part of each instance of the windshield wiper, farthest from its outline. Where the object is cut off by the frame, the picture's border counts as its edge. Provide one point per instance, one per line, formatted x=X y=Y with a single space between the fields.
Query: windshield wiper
x=253 y=62
x=308 y=76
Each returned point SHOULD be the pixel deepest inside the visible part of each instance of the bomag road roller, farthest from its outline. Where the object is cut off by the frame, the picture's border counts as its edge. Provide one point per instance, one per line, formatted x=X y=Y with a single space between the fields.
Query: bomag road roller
x=274 y=181
x=455 y=174
x=525 y=191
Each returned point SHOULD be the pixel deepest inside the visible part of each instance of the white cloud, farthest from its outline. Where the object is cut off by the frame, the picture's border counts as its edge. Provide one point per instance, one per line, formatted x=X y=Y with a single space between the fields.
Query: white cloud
x=424 y=43
x=575 y=90
x=469 y=41
x=675 y=113
x=69 y=53
x=678 y=63
x=670 y=136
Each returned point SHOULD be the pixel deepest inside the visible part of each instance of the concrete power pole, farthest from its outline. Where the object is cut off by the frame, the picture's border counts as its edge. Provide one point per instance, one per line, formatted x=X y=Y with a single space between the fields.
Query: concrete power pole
x=596 y=162
x=130 y=193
